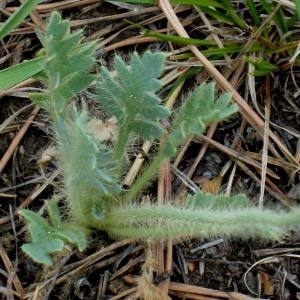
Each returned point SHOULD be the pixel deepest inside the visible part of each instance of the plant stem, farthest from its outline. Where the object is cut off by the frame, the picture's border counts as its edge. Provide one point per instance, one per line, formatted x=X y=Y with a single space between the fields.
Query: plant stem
x=174 y=222
x=145 y=177
x=121 y=144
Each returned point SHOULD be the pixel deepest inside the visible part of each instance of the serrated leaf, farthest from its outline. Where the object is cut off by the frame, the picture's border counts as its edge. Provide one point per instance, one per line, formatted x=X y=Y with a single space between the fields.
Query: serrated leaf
x=46 y=238
x=130 y=95
x=67 y=63
x=40 y=252
x=37 y=226
x=74 y=235
x=206 y=200
x=199 y=110
x=88 y=167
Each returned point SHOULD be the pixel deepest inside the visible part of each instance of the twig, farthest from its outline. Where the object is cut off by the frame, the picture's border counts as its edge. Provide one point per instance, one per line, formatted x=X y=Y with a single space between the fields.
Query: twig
x=14 y=144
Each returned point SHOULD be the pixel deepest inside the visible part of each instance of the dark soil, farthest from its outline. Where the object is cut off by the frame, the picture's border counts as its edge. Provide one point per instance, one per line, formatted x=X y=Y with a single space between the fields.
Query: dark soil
x=109 y=269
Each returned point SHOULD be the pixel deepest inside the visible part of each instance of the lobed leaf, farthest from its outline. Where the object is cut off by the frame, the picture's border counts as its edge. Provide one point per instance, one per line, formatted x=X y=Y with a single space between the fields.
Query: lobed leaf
x=130 y=95
x=206 y=200
x=88 y=167
x=66 y=65
x=198 y=111
x=46 y=238
x=40 y=252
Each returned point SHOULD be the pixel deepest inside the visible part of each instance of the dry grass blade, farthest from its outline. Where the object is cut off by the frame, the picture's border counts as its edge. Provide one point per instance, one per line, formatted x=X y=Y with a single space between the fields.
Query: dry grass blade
x=264 y=161
x=272 y=189
x=195 y=292
x=245 y=109
x=84 y=264
x=237 y=155
x=9 y=152
x=272 y=161
x=211 y=130
x=35 y=193
x=11 y=272
x=59 y=5
x=103 y=22
x=12 y=117
x=124 y=294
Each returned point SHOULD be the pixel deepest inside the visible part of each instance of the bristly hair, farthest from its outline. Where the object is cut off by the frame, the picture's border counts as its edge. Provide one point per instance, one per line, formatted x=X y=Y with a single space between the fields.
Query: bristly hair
x=130 y=97
x=88 y=168
x=91 y=170
x=66 y=65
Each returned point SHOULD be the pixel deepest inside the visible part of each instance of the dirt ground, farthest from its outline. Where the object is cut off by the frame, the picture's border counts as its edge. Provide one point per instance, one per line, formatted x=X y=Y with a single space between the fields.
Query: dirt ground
x=215 y=268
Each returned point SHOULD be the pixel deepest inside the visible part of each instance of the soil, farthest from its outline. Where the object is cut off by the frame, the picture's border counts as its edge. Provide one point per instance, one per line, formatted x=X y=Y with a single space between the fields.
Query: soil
x=215 y=268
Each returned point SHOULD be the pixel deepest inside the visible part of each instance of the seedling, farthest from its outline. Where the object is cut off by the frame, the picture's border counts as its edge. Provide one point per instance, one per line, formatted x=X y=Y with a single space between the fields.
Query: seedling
x=92 y=171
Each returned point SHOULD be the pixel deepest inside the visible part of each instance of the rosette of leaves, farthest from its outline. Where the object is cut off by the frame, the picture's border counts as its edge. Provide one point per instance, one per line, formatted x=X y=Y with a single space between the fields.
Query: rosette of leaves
x=91 y=170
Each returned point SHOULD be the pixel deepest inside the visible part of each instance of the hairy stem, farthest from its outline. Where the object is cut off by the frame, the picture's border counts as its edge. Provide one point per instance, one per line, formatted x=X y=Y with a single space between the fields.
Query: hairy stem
x=145 y=177
x=121 y=143
x=172 y=222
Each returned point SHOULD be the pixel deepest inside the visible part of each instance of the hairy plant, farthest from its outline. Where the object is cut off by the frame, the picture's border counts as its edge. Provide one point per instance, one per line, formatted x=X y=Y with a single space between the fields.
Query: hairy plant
x=92 y=170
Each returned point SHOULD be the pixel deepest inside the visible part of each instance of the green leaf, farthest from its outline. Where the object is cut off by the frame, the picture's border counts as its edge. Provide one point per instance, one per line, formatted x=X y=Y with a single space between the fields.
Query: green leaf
x=198 y=111
x=13 y=75
x=46 y=238
x=66 y=66
x=40 y=99
x=130 y=97
x=74 y=235
x=206 y=200
x=44 y=242
x=40 y=252
x=88 y=167
x=38 y=227
x=262 y=67
x=204 y=3
x=17 y=17
x=279 y=17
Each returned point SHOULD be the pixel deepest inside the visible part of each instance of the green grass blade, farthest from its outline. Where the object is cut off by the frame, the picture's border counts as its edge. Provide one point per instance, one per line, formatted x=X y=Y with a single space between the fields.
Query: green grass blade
x=227 y=50
x=253 y=12
x=16 y=74
x=206 y=3
x=179 y=40
x=221 y=17
x=279 y=16
x=231 y=12
x=136 y=1
x=17 y=17
x=297 y=2
x=281 y=20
